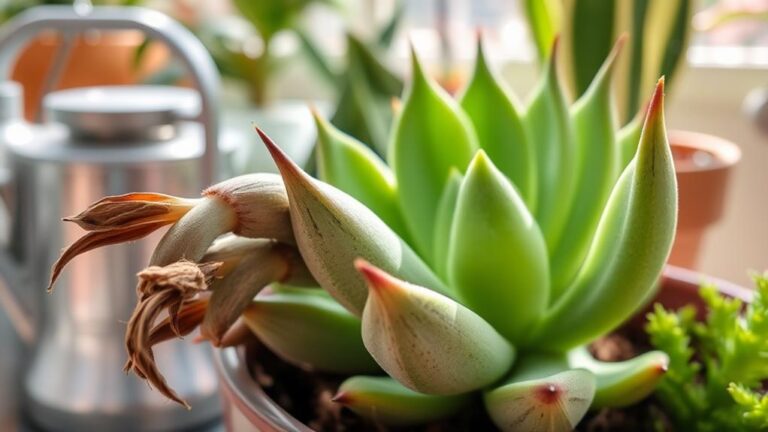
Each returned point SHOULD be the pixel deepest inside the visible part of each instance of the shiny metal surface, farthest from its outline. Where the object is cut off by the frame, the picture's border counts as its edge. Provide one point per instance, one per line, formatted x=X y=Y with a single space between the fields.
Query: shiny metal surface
x=73 y=379
x=122 y=112
x=69 y=20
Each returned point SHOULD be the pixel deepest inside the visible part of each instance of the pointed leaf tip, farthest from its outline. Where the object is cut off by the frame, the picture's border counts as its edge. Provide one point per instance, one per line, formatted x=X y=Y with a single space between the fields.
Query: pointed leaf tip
x=282 y=160
x=342 y=398
x=376 y=278
x=657 y=101
x=415 y=64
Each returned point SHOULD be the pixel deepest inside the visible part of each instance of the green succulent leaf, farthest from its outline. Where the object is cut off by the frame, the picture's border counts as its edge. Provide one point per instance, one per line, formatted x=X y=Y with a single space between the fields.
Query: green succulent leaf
x=445 y=212
x=387 y=33
x=753 y=404
x=620 y=384
x=428 y=342
x=377 y=75
x=500 y=131
x=630 y=247
x=362 y=112
x=591 y=30
x=346 y=163
x=549 y=125
x=497 y=255
x=332 y=229
x=305 y=326
x=386 y=401
x=597 y=167
x=271 y=16
x=431 y=136
x=544 y=18
x=542 y=394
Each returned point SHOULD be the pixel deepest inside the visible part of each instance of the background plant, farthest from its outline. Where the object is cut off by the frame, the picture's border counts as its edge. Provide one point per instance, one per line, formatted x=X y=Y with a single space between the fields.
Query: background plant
x=244 y=50
x=721 y=386
x=491 y=247
x=659 y=32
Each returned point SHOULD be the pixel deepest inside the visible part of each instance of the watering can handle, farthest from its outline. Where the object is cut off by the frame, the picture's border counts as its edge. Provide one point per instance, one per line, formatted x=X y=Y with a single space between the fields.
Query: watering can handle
x=70 y=21
x=182 y=43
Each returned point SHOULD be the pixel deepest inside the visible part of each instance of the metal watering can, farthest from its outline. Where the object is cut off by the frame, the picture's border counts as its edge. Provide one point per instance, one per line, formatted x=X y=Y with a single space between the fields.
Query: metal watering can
x=95 y=142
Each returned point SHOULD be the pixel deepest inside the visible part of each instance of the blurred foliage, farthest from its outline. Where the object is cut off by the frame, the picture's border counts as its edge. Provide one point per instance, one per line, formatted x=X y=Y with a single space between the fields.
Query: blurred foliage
x=11 y=8
x=659 y=32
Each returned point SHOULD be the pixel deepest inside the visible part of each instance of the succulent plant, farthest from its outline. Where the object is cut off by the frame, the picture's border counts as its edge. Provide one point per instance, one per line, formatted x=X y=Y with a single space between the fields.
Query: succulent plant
x=491 y=247
x=717 y=366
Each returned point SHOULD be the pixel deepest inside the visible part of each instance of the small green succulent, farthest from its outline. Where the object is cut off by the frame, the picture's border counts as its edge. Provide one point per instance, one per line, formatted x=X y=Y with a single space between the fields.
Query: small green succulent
x=491 y=247
x=721 y=388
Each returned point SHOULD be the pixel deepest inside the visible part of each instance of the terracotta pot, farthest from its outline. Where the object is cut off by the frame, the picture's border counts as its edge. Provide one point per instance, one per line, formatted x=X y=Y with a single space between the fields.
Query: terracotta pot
x=96 y=58
x=704 y=164
x=248 y=409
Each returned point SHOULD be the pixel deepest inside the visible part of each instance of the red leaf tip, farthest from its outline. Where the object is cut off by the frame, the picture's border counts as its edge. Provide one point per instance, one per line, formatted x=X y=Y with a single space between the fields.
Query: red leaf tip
x=378 y=280
x=342 y=398
x=284 y=163
x=657 y=101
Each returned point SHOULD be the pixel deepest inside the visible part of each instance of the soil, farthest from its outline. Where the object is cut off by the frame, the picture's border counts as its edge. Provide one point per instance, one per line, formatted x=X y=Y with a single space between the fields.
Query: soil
x=307 y=396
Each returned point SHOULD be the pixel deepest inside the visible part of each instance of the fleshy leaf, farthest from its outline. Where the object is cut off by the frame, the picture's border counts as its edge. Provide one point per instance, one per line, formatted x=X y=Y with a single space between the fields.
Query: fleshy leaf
x=346 y=163
x=630 y=247
x=623 y=383
x=549 y=125
x=263 y=262
x=305 y=326
x=500 y=132
x=497 y=256
x=332 y=229
x=428 y=342
x=363 y=109
x=445 y=211
x=544 y=19
x=538 y=397
x=597 y=167
x=431 y=136
x=591 y=30
x=386 y=401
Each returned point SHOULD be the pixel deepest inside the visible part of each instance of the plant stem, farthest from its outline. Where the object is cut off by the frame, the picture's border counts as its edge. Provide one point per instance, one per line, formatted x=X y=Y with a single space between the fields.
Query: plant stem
x=260 y=76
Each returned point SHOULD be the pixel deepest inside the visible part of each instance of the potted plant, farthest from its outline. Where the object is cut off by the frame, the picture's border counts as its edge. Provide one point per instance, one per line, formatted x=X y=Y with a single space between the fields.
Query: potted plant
x=91 y=59
x=717 y=365
x=473 y=272
x=658 y=37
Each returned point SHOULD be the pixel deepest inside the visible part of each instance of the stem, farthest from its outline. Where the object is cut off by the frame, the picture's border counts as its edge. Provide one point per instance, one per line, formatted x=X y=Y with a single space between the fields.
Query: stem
x=260 y=78
x=191 y=236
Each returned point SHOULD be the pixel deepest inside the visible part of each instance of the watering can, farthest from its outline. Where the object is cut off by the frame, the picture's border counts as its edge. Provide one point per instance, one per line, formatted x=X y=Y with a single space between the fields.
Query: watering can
x=95 y=142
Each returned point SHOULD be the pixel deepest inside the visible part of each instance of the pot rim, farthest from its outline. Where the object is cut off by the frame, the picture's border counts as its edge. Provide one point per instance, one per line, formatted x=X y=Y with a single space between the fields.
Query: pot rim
x=250 y=396
x=725 y=152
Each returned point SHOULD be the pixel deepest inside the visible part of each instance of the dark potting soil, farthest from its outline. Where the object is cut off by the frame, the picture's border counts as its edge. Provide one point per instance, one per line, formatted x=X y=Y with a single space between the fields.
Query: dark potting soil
x=307 y=396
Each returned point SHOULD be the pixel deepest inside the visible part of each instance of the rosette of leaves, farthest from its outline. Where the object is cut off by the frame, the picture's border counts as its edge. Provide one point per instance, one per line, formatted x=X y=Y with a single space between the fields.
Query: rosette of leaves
x=717 y=368
x=495 y=242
